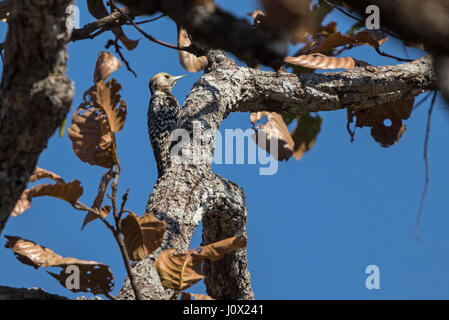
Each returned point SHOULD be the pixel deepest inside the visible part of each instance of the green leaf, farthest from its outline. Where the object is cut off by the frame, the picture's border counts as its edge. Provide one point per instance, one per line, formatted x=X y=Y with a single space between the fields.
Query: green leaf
x=62 y=128
x=305 y=133
x=288 y=117
x=355 y=27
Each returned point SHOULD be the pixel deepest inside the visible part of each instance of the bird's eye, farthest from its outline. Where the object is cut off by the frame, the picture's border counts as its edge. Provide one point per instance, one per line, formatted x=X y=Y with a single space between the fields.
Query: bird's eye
x=167 y=76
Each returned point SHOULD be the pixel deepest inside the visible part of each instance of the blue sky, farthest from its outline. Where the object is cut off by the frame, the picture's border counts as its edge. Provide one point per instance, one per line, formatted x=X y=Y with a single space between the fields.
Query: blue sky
x=313 y=227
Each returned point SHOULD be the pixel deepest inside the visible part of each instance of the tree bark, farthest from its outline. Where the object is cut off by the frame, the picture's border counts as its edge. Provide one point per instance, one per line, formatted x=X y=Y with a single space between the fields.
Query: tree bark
x=190 y=192
x=8 y=293
x=35 y=92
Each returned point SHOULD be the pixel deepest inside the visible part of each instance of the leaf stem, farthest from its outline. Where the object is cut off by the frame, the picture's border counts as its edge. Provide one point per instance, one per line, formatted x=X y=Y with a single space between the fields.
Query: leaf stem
x=81 y=206
x=118 y=234
x=117 y=230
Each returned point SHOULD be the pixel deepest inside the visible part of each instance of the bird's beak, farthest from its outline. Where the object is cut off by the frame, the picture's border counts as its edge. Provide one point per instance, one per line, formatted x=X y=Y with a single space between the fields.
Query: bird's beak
x=175 y=79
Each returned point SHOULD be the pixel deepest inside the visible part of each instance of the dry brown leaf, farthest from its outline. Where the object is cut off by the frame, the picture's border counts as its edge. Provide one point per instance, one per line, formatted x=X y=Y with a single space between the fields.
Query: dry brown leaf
x=142 y=235
x=328 y=39
x=127 y=42
x=102 y=188
x=195 y=296
x=99 y=198
x=189 y=61
x=68 y=191
x=215 y=251
x=98 y=10
x=104 y=211
x=180 y=271
x=312 y=23
x=331 y=27
x=107 y=97
x=32 y=254
x=40 y=173
x=22 y=204
x=61 y=190
x=97 y=118
x=95 y=277
x=296 y=18
x=320 y=61
x=91 y=138
x=378 y=116
x=286 y=16
x=107 y=63
x=373 y=38
x=275 y=129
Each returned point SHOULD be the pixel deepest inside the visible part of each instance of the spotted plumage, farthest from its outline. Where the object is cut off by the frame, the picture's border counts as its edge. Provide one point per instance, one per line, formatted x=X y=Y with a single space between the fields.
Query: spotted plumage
x=163 y=113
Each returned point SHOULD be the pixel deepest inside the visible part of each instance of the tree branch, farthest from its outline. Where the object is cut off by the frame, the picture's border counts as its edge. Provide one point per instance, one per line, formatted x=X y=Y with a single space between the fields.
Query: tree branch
x=190 y=192
x=359 y=88
x=35 y=92
x=118 y=233
x=91 y=30
x=217 y=29
x=228 y=278
x=417 y=22
x=8 y=293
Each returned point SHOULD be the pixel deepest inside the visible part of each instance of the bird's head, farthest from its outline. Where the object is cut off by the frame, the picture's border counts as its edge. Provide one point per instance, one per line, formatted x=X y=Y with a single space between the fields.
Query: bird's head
x=163 y=82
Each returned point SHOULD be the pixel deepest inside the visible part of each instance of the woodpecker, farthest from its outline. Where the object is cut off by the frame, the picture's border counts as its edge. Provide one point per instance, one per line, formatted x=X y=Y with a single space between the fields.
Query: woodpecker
x=163 y=113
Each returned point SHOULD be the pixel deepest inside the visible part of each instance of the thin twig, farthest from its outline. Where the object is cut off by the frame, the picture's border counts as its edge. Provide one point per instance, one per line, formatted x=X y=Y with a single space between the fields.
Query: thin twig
x=81 y=206
x=122 y=207
x=146 y=35
x=119 y=52
x=344 y=48
x=192 y=49
x=110 y=296
x=350 y=46
x=2 y=46
x=97 y=33
x=119 y=237
x=148 y=20
x=93 y=29
x=426 y=164
x=350 y=117
x=127 y=211
x=391 y=56
x=117 y=231
x=417 y=105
